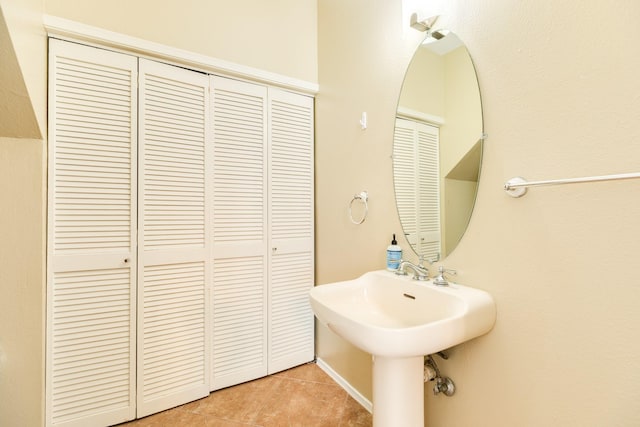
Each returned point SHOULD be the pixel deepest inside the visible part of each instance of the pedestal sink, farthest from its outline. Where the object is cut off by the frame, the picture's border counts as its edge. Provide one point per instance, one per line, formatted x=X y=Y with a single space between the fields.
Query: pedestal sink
x=399 y=321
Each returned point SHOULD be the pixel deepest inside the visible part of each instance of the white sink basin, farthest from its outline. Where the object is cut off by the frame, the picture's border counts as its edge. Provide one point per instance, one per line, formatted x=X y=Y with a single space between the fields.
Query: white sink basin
x=394 y=316
x=399 y=321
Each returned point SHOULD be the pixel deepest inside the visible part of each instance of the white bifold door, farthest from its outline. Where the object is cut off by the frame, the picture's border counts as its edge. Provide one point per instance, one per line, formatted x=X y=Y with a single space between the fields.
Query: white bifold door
x=180 y=234
x=174 y=263
x=291 y=229
x=127 y=298
x=263 y=230
x=91 y=293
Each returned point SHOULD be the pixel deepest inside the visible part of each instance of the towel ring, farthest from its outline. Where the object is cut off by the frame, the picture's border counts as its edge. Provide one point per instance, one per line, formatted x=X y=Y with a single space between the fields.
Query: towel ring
x=363 y=196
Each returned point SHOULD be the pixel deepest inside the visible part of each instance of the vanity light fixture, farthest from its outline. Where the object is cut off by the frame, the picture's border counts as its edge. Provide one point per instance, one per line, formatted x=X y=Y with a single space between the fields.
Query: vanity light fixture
x=422 y=24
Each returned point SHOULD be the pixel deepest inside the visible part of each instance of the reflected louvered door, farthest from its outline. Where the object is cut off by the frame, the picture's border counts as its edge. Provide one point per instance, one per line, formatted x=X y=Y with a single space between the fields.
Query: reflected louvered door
x=416 y=181
x=90 y=361
x=428 y=178
x=239 y=289
x=404 y=178
x=173 y=239
x=291 y=225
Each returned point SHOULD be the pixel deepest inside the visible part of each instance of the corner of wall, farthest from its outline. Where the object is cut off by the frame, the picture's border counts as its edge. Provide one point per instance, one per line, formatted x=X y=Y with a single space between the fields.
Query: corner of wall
x=23 y=79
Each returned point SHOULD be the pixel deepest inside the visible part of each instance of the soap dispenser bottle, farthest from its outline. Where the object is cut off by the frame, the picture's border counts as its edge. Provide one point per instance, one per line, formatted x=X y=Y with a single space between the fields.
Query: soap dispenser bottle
x=394 y=255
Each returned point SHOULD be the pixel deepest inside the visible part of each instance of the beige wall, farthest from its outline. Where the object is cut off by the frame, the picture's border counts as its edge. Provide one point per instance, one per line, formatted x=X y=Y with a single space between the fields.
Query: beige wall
x=458 y=136
x=463 y=109
x=458 y=208
x=361 y=67
x=17 y=118
x=22 y=212
x=22 y=81
x=560 y=97
x=276 y=36
x=22 y=274
x=424 y=84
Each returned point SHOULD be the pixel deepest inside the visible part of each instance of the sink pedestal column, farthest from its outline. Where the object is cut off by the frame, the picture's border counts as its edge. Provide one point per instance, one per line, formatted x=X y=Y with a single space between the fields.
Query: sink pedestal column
x=398 y=392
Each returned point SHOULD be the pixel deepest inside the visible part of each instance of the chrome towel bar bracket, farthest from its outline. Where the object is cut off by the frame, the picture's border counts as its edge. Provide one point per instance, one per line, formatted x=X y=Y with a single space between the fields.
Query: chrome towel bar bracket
x=517 y=187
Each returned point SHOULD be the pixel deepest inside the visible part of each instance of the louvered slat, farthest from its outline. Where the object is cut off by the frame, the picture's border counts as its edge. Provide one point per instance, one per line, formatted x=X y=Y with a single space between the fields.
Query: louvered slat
x=174 y=187
x=291 y=316
x=239 y=162
x=404 y=178
x=92 y=193
x=92 y=155
x=174 y=309
x=239 y=232
x=173 y=324
x=239 y=328
x=263 y=152
x=291 y=170
x=428 y=178
x=91 y=343
x=416 y=183
x=291 y=229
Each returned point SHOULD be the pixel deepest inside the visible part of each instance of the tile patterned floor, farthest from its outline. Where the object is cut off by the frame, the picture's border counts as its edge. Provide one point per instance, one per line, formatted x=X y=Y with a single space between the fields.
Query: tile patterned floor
x=301 y=397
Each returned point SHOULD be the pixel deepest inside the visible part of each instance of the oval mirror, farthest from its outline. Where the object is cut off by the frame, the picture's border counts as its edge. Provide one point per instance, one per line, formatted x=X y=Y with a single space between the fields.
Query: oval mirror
x=437 y=145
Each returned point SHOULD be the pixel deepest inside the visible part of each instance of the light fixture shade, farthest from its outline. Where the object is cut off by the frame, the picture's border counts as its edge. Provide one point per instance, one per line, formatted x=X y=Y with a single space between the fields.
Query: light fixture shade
x=422 y=24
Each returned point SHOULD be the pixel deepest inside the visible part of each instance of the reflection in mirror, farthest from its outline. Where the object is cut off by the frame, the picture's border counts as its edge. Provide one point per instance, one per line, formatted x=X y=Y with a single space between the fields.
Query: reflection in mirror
x=437 y=145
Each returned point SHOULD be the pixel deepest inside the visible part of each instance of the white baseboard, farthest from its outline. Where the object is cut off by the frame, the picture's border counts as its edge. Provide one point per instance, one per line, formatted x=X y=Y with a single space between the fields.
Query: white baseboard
x=357 y=396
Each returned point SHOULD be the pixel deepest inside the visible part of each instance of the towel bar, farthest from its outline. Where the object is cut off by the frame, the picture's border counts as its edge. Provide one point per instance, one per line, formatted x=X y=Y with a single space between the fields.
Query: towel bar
x=517 y=186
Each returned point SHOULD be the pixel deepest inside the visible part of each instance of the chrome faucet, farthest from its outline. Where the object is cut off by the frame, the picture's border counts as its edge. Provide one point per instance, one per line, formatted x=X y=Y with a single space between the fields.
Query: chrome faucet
x=420 y=272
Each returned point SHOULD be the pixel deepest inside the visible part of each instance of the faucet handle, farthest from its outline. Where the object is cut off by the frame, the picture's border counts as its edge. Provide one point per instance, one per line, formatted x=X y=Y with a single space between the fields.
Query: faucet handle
x=440 y=279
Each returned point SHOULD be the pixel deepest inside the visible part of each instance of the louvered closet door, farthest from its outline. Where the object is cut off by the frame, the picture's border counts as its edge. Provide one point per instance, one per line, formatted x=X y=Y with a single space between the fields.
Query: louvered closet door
x=90 y=372
x=416 y=181
x=239 y=233
x=428 y=155
x=404 y=178
x=173 y=240
x=291 y=274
